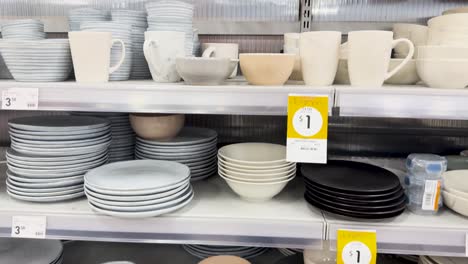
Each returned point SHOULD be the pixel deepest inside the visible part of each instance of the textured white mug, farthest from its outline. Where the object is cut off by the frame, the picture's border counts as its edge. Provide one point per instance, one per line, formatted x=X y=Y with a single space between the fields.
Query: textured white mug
x=369 y=55
x=161 y=49
x=91 y=55
x=222 y=50
x=319 y=56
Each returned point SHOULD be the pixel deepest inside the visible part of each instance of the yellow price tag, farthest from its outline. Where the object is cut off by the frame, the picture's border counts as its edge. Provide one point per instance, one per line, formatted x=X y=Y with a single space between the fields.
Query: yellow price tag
x=307 y=128
x=356 y=247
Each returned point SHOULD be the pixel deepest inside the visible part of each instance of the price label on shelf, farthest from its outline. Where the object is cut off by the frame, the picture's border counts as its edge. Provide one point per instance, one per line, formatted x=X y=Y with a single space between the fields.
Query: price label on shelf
x=356 y=247
x=307 y=128
x=28 y=226
x=20 y=99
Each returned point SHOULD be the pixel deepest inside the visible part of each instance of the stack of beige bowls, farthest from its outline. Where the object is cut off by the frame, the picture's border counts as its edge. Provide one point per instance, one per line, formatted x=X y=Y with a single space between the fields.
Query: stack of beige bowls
x=455 y=193
x=442 y=62
x=255 y=171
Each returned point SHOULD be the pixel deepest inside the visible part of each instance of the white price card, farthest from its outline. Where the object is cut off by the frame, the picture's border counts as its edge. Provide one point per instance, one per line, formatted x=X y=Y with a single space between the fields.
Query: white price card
x=307 y=129
x=20 y=99
x=28 y=226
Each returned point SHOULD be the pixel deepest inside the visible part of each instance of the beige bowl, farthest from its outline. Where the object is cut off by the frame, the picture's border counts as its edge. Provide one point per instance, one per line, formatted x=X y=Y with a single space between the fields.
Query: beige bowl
x=408 y=75
x=157 y=126
x=455 y=11
x=267 y=68
x=448 y=74
x=224 y=260
x=261 y=154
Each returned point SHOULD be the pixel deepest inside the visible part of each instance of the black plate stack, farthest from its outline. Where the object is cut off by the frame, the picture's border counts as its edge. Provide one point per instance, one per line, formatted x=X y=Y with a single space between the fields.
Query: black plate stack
x=354 y=189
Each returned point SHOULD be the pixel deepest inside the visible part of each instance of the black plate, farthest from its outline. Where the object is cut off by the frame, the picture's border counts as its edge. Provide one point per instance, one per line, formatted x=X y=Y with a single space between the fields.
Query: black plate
x=351 y=177
x=354 y=214
x=397 y=193
x=394 y=205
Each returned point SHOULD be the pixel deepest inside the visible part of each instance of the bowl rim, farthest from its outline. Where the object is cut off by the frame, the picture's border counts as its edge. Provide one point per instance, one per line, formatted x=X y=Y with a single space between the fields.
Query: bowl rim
x=268 y=54
x=256 y=183
x=254 y=167
x=293 y=169
x=229 y=165
x=286 y=177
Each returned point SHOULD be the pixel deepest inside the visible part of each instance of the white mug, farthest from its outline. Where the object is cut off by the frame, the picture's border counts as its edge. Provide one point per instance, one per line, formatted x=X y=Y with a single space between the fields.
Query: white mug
x=91 y=53
x=222 y=50
x=319 y=56
x=369 y=57
x=161 y=49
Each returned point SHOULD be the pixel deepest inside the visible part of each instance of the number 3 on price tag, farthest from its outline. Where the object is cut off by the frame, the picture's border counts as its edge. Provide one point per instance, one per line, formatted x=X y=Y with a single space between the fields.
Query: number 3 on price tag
x=20 y=99
x=356 y=247
x=28 y=226
x=307 y=128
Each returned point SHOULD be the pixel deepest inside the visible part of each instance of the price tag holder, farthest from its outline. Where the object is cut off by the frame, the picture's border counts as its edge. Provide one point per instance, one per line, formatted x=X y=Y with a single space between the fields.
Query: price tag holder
x=307 y=128
x=28 y=226
x=20 y=99
x=356 y=247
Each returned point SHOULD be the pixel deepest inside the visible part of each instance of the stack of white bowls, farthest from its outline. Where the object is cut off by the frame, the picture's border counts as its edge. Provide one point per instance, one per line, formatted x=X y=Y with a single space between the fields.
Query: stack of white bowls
x=47 y=60
x=122 y=32
x=442 y=62
x=50 y=155
x=175 y=15
x=205 y=251
x=24 y=29
x=455 y=193
x=291 y=46
x=138 y=188
x=81 y=15
x=137 y=19
x=255 y=171
x=123 y=138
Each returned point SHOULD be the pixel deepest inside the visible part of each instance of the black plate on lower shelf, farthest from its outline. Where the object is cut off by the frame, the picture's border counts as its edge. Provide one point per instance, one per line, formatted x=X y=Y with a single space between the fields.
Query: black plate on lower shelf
x=351 y=213
x=351 y=177
x=390 y=206
x=357 y=199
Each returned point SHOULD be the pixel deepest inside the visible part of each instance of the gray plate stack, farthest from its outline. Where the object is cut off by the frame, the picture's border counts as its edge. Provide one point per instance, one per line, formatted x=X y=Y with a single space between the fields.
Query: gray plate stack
x=81 y=15
x=194 y=147
x=24 y=29
x=119 y=31
x=137 y=19
x=49 y=155
x=123 y=138
x=21 y=251
x=202 y=251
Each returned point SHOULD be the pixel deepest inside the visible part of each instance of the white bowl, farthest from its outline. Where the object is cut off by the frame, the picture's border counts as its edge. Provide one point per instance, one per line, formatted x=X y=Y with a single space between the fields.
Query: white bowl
x=257 y=180
x=256 y=167
x=264 y=154
x=252 y=176
x=408 y=75
x=447 y=74
x=255 y=170
x=442 y=52
x=451 y=20
x=256 y=192
x=455 y=11
x=456 y=203
x=203 y=71
x=454 y=36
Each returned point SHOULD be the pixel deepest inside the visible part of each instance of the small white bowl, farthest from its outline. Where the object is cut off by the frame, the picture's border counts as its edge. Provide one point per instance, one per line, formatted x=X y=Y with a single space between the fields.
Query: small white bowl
x=442 y=52
x=203 y=71
x=446 y=74
x=286 y=177
x=408 y=75
x=233 y=168
x=456 y=203
x=451 y=20
x=254 y=167
x=263 y=154
x=256 y=192
x=256 y=177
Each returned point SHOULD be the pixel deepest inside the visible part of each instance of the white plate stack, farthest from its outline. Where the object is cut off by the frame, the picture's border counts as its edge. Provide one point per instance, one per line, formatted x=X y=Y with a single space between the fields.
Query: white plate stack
x=23 y=29
x=455 y=192
x=194 y=147
x=172 y=15
x=139 y=24
x=30 y=251
x=255 y=171
x=51 y=154
x=138 y=188
x=205 y=251
x=123 y=138
x=81 y=15
x=122 y=32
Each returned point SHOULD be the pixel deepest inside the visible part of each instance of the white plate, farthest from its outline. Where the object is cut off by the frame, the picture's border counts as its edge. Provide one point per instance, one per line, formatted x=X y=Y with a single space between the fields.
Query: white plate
x=46 y=185
x=200 y=156
x=57 y=123
x=44 y=194
x=60 y=172
x=30 y=251
x=60 y=142
x=146 y=176
x=48 y=166
x=16 y=188
x=181 y=154
x=62 y=151
x=156 y=205
x=83 y=136
x=43 y=180
x=194 y=147
x=59 y=145
x=181 y=151
x=187 y=137
x=143 y=214
x=136 y=198
x=64 y=160
x=183 y=161
x=46 y=199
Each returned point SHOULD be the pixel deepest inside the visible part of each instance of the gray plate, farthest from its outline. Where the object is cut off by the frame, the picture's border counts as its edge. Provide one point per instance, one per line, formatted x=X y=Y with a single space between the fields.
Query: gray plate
x=180 y=154
x=59 y=145
x=62 y=151
x=59 y=142
x=43 y=180
x=30 y=250
x=201 y=156
x=65 y=160
x=46 y=199
x=39 y=191
x=41 y=185
x=184 y=161
x=187 y=137
x=57 y=123
x=61 y=137
x=56 y=173
x=96 y=162
x=211 y=144
x=43 y=194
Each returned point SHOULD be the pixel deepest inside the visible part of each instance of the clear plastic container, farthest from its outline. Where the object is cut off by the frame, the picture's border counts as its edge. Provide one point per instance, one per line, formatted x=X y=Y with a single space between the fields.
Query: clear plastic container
x=426 y=165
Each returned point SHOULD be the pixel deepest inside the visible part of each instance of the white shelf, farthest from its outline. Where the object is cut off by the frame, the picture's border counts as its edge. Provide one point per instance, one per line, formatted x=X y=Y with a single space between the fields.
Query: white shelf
x=215 y=216
x=236 y=97
x=440 y=235
x=402 y=102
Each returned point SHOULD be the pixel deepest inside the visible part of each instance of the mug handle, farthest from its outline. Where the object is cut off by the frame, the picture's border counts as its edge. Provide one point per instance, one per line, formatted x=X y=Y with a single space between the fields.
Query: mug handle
x=209 y=52
x=122 y=56
x=148 y=51
x=406 y=60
